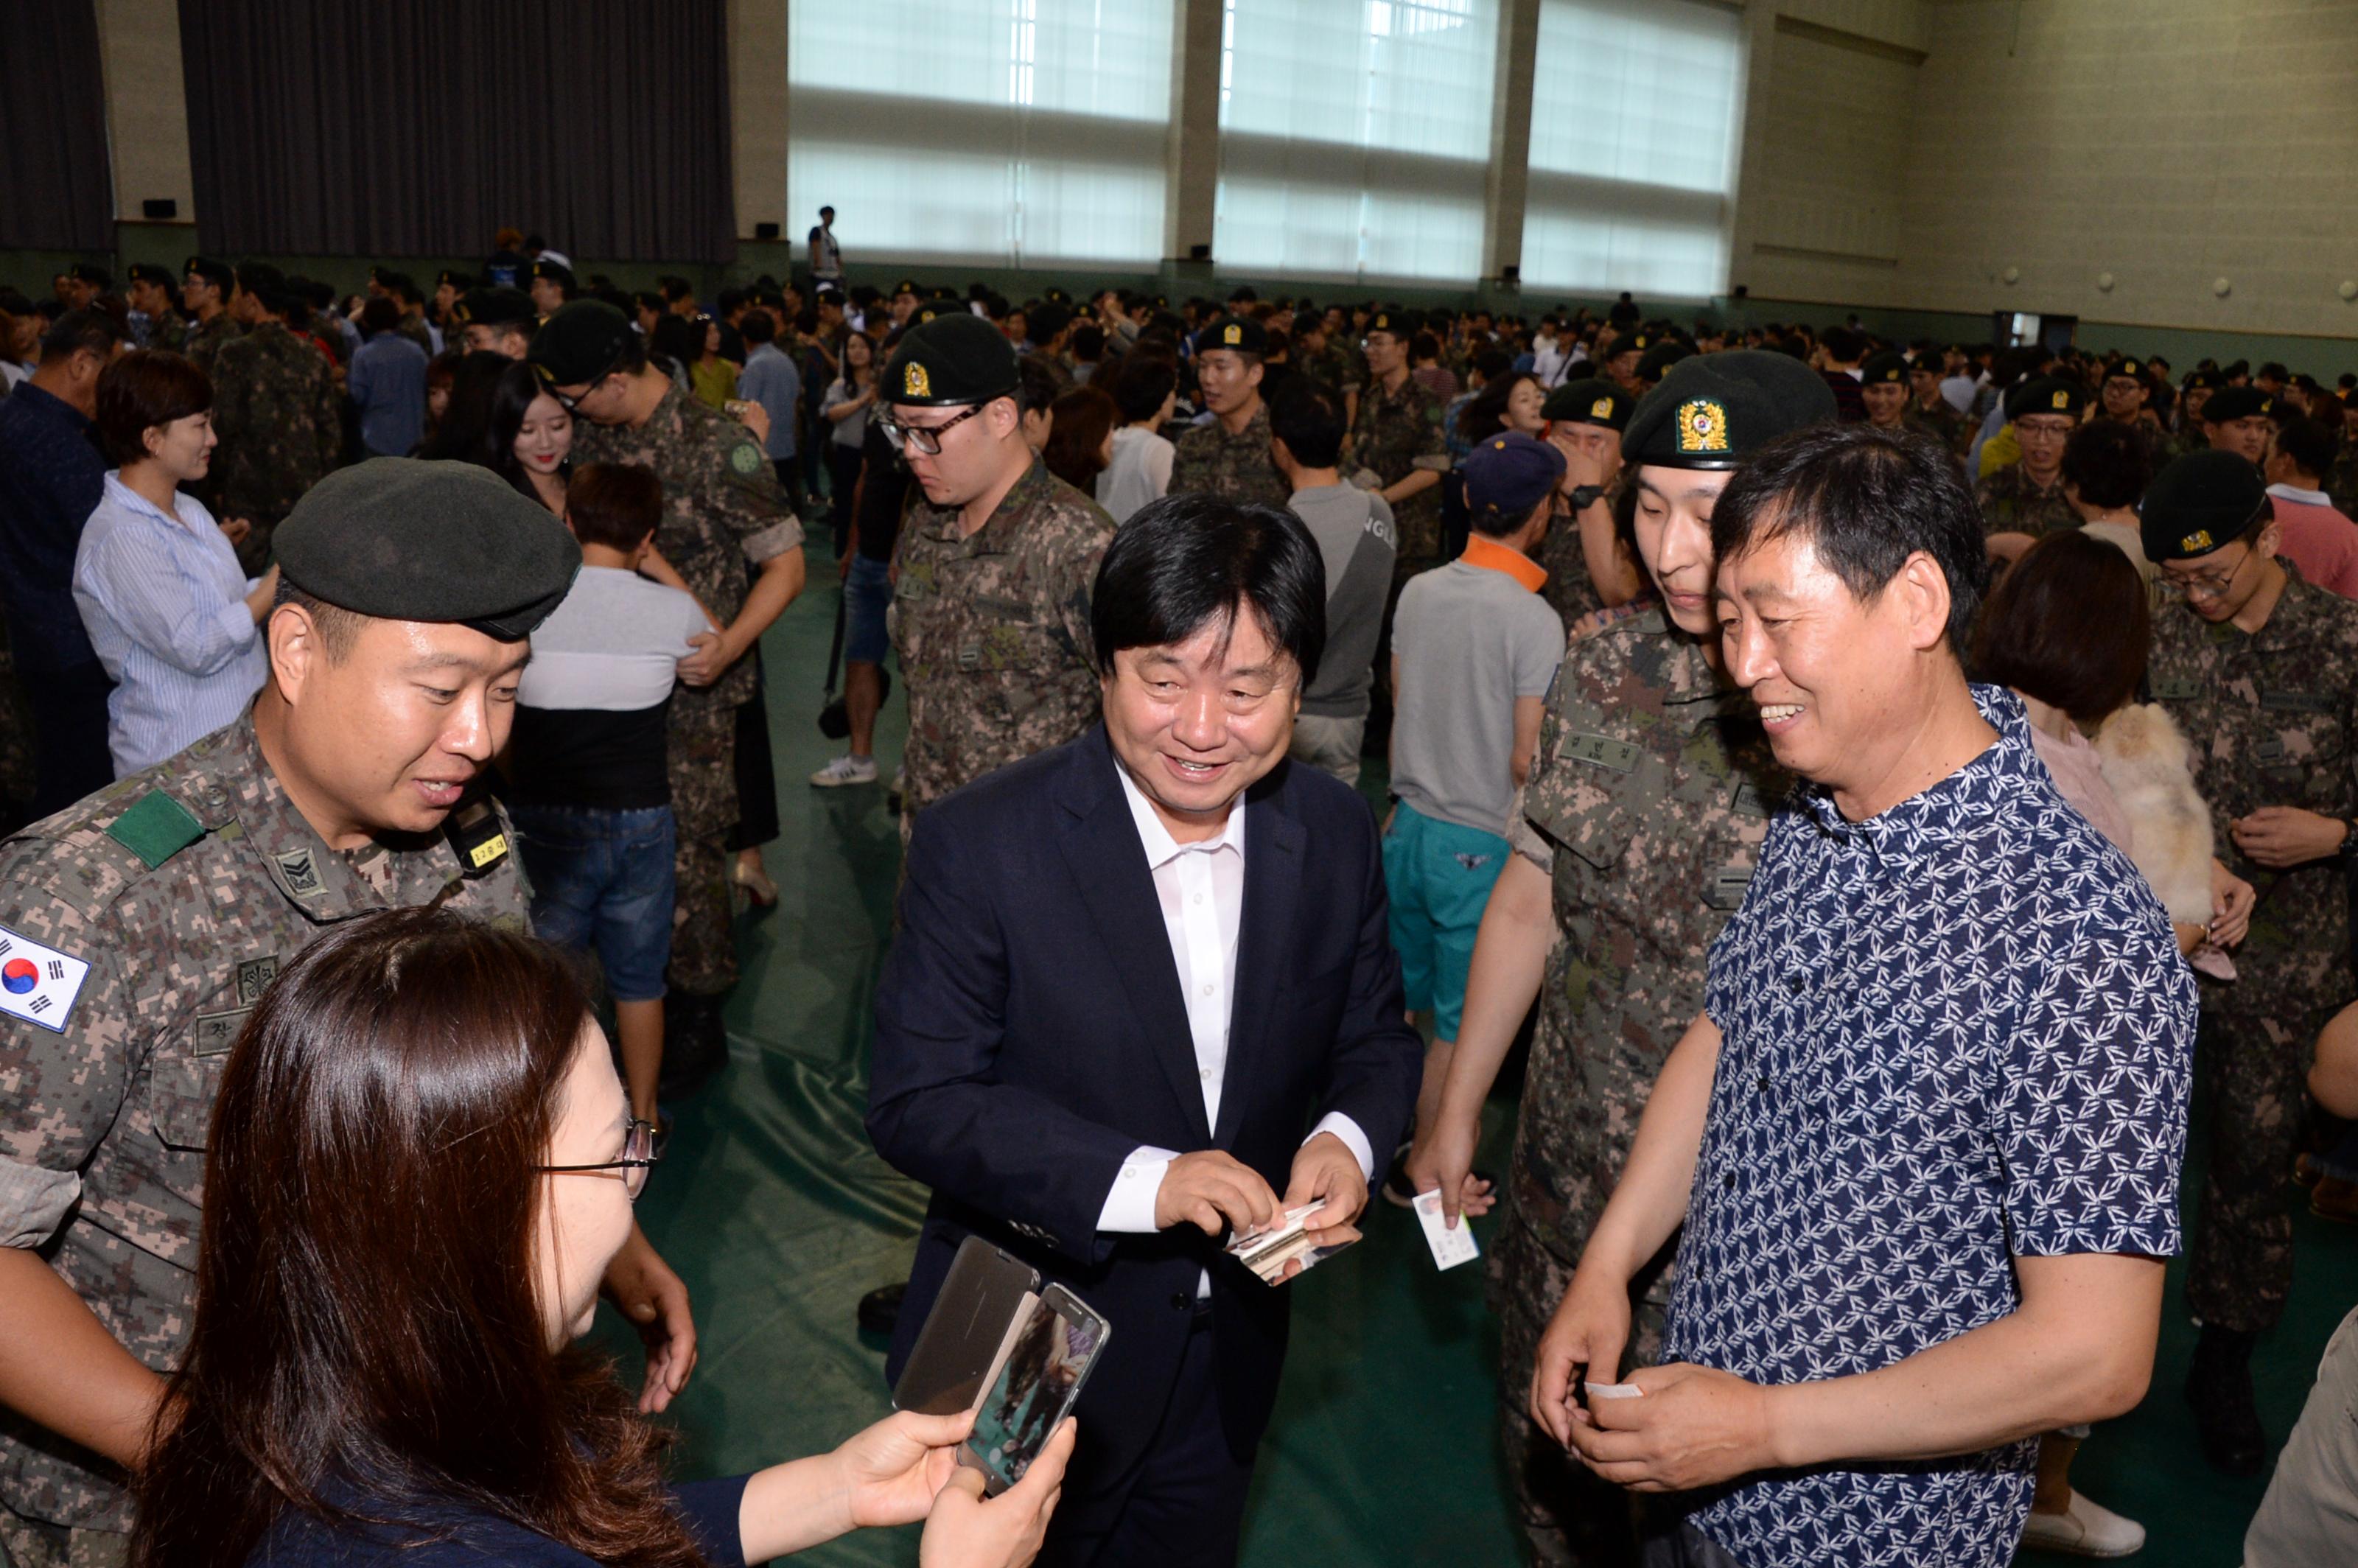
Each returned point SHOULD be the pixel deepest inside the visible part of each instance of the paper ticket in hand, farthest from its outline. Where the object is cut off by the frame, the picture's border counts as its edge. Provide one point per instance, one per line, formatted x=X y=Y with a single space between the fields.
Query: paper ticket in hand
x=1610 y=1390
x=1267 y=1252
x=1450 y=1248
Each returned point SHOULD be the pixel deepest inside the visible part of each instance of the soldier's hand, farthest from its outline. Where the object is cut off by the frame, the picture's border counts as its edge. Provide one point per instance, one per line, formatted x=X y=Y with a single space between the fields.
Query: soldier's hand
x=1442 y=1160
x=235 y=529
x=708 y=662
x=1213 y=1191
x=2232 y=899
x=2280 y=836
x=642 y=1285
x=1586 y=1336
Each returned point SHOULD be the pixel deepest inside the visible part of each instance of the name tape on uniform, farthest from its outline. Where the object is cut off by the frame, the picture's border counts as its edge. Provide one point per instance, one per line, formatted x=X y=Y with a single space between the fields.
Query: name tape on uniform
x=37 y=983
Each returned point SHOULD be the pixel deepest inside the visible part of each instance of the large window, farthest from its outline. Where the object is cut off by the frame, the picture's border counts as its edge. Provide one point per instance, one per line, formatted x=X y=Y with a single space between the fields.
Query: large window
x=1635 y=110
x=1355 y=136
x=1013 y=131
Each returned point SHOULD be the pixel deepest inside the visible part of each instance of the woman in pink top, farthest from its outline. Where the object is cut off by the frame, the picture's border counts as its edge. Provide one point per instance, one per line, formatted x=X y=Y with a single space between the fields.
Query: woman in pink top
x=2067 y=629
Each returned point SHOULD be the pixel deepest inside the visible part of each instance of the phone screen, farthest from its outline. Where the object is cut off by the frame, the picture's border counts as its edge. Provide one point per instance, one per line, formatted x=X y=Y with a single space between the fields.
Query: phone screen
x=1037 y=1386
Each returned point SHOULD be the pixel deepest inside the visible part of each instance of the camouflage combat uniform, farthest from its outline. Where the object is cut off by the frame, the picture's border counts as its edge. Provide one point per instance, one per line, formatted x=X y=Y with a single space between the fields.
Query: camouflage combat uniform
x=169 y=331
x=722 y=508
x=2342 y=480
x=1397 y=434
x=186 y=888
x=1237 y=467
x=2271 y=718
x=205 y=340
x=993 y=632
x=2011 y=504
x=1334 y=368
x=1943 y=423
x=1648 y=798
x=281 y=425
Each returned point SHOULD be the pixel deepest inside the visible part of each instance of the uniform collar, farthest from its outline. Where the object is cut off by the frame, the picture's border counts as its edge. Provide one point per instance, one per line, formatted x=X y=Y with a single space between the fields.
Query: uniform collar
x=994 y=536
x=1491 y=556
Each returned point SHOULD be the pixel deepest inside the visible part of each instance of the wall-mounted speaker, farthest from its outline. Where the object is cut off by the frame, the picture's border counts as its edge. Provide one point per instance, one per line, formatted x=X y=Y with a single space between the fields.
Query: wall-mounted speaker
x=1199 y=253
x=159 y=207
x=765 y=231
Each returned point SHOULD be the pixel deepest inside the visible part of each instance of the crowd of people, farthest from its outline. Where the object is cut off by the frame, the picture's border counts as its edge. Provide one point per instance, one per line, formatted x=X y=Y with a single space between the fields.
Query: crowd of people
x=1857 y=764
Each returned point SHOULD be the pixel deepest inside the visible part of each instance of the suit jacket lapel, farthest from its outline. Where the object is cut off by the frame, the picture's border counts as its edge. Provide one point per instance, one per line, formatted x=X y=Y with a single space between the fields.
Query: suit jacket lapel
x=1273 y=858
x=1108 y=865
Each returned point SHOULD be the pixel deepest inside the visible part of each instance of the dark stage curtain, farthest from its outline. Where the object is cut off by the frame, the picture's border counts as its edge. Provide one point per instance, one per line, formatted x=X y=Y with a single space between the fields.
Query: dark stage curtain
x=354 y=127
x=55 y=193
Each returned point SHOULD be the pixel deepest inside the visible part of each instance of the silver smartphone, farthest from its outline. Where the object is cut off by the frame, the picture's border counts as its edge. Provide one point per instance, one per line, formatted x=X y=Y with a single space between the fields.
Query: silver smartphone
x=1052 y=1352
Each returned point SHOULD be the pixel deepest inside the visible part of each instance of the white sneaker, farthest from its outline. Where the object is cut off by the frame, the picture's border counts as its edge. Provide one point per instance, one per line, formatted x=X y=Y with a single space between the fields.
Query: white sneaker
x=2085 y=1529
x=844 y=771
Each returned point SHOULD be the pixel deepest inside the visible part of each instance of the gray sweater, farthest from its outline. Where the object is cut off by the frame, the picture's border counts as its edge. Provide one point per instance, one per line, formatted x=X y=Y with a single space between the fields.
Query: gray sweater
x=1358 y=542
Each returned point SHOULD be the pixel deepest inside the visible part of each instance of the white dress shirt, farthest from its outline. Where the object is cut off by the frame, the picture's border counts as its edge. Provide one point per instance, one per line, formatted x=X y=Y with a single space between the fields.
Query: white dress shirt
x=1201 y=887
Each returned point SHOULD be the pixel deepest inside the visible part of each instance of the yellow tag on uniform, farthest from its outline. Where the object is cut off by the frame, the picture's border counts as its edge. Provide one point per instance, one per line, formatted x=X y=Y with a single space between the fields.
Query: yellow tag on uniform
x=1702 y=427
x=489 y=850
x=915 y=383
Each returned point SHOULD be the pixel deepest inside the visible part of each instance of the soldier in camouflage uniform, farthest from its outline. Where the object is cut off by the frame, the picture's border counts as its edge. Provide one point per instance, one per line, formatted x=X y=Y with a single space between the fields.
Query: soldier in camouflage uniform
x=722 y=511
x=2185 y=433
x=1229 y=454
x=1635 y=836
x=155 y=325
x=1397 y=436
x=2260 y=671
x=1931 y=413
x=1585 y=421
x=142 y=924
x=2123 y=397
x=1328 y=362
x=993 y=570
x=280 y=417
x=207 y=287
x=2028 y=497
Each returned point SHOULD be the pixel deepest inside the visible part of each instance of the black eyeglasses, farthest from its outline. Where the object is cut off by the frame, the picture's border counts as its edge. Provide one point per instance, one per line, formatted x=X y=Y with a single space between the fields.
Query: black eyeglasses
x=573 y=405
x=639 y=1157
x=926 y=438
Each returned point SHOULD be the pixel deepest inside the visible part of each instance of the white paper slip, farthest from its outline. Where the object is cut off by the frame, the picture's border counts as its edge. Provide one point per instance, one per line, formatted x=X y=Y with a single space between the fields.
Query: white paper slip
x=1611 y=1390
x=1450 y=1248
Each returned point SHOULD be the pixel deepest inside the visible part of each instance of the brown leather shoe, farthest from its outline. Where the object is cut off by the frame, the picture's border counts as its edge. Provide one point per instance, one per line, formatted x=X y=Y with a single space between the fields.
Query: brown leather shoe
x=2335 y=1199
x=2305 y=1171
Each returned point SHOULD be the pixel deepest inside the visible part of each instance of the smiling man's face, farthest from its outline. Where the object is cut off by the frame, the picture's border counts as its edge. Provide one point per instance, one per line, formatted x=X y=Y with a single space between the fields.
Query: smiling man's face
x=1195 y=723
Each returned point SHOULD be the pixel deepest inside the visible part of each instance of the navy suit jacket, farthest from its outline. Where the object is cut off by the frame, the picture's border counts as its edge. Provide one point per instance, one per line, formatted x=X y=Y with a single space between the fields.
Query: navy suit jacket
x=1029 y=1034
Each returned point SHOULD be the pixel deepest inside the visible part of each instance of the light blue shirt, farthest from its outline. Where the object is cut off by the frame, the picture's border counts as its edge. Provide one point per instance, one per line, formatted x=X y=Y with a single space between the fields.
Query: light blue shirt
x=164 y=602
x=771 y=380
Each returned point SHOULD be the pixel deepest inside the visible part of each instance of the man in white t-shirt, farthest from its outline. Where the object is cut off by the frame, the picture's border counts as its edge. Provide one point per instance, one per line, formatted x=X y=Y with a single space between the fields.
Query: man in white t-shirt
x=591 y=789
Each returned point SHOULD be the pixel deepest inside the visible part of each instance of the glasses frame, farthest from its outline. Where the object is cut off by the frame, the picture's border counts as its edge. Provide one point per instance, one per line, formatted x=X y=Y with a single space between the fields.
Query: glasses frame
x=2209 y=586
x=635 y=1167
x=572 y=405
x=919 y=436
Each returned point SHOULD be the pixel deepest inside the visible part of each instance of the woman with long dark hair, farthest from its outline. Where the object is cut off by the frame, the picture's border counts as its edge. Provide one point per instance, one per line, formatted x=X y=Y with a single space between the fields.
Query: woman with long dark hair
x=421 y=1163
x=461 y=433
x=1081 y=437
x=528 y=441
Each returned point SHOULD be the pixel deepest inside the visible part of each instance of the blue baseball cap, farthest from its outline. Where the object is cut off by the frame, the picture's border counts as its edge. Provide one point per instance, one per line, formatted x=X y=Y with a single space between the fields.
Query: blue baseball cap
x=1510 y=473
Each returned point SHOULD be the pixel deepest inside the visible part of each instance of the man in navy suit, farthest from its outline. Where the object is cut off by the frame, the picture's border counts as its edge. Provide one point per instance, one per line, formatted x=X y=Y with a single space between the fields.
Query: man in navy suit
x=1133 y=972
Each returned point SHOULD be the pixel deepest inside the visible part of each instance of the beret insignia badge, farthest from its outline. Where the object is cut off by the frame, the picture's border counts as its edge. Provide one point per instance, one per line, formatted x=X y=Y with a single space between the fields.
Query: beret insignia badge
x=1702 y=427
x=915 y=383
x=2197 y=542
x=1232 y=333
x=1601 y=409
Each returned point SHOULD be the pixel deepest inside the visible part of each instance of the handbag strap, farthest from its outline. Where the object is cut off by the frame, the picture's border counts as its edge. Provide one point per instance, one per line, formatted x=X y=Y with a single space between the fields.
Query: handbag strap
x=834 y=654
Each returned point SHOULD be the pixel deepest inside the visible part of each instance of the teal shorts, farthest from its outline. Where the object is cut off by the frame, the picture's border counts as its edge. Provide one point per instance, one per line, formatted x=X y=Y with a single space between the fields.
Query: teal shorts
x=1438 y=876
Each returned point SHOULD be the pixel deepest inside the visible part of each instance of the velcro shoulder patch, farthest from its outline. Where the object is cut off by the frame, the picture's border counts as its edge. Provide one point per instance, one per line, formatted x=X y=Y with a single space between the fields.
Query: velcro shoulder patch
x=156 y=829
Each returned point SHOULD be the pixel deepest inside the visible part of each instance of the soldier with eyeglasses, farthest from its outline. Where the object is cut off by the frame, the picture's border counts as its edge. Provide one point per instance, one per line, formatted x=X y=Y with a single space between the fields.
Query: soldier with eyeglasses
x=993 y=570
x=2259 y=668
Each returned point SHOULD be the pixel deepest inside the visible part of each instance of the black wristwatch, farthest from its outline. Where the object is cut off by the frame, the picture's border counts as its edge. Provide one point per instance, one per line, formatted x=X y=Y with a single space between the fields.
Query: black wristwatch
x=1586 y=496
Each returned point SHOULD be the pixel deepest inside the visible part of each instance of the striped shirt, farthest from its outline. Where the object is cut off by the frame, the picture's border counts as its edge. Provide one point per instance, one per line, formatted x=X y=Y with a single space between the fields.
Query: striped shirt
x=164 y=602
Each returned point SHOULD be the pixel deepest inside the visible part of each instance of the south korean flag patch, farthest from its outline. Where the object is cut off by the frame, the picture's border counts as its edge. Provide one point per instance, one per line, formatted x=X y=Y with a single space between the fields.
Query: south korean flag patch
x=38 y=984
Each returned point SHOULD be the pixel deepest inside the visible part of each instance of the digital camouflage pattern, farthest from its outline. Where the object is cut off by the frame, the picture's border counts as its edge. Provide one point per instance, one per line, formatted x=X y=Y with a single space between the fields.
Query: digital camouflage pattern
x=2011 y=504
x=1648 y=798
x=722 y=510
x=993 y=631
x=1238 y=467
x=186 y=887
x=18 y=762
x=203 y=341
x=1334 y=368
x=169 y=331
x=280 y=420
x=2271 y=718
x=1396 y=433
x=2342 y=480
x=1943 y=423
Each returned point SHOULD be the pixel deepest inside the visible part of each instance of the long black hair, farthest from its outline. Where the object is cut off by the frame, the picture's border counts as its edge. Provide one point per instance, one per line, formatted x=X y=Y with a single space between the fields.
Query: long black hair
x=511 y=397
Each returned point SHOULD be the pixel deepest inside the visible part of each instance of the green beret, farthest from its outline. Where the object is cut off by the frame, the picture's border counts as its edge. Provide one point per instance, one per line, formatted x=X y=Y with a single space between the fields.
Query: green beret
x=2202 y=502
x=1241 y=333
x=934 y=307
x=1396 y=322
x=2133 y=369
x=218 y=274
x=2201 y=381
x=403 y=539
x=494 y=307
x=583 y=340
x=1714 y=410
x=83 y=272
x=148 y=272
x=2237 y=402
x=554 y=272
x=907 y=285
x=2046 y=395
x=1887 y=369
x=1592 y=402
x=1657 y=361
x=957 y=357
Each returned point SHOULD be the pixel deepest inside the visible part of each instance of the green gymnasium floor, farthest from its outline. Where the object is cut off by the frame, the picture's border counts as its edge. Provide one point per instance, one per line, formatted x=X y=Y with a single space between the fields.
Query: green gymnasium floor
x=773 y=1209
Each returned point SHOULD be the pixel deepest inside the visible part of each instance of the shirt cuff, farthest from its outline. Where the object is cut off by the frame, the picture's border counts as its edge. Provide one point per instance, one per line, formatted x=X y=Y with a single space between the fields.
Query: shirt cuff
x=34 y=1200
x=1355 y=1141
x=774 y=541
x=1129 y=1208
